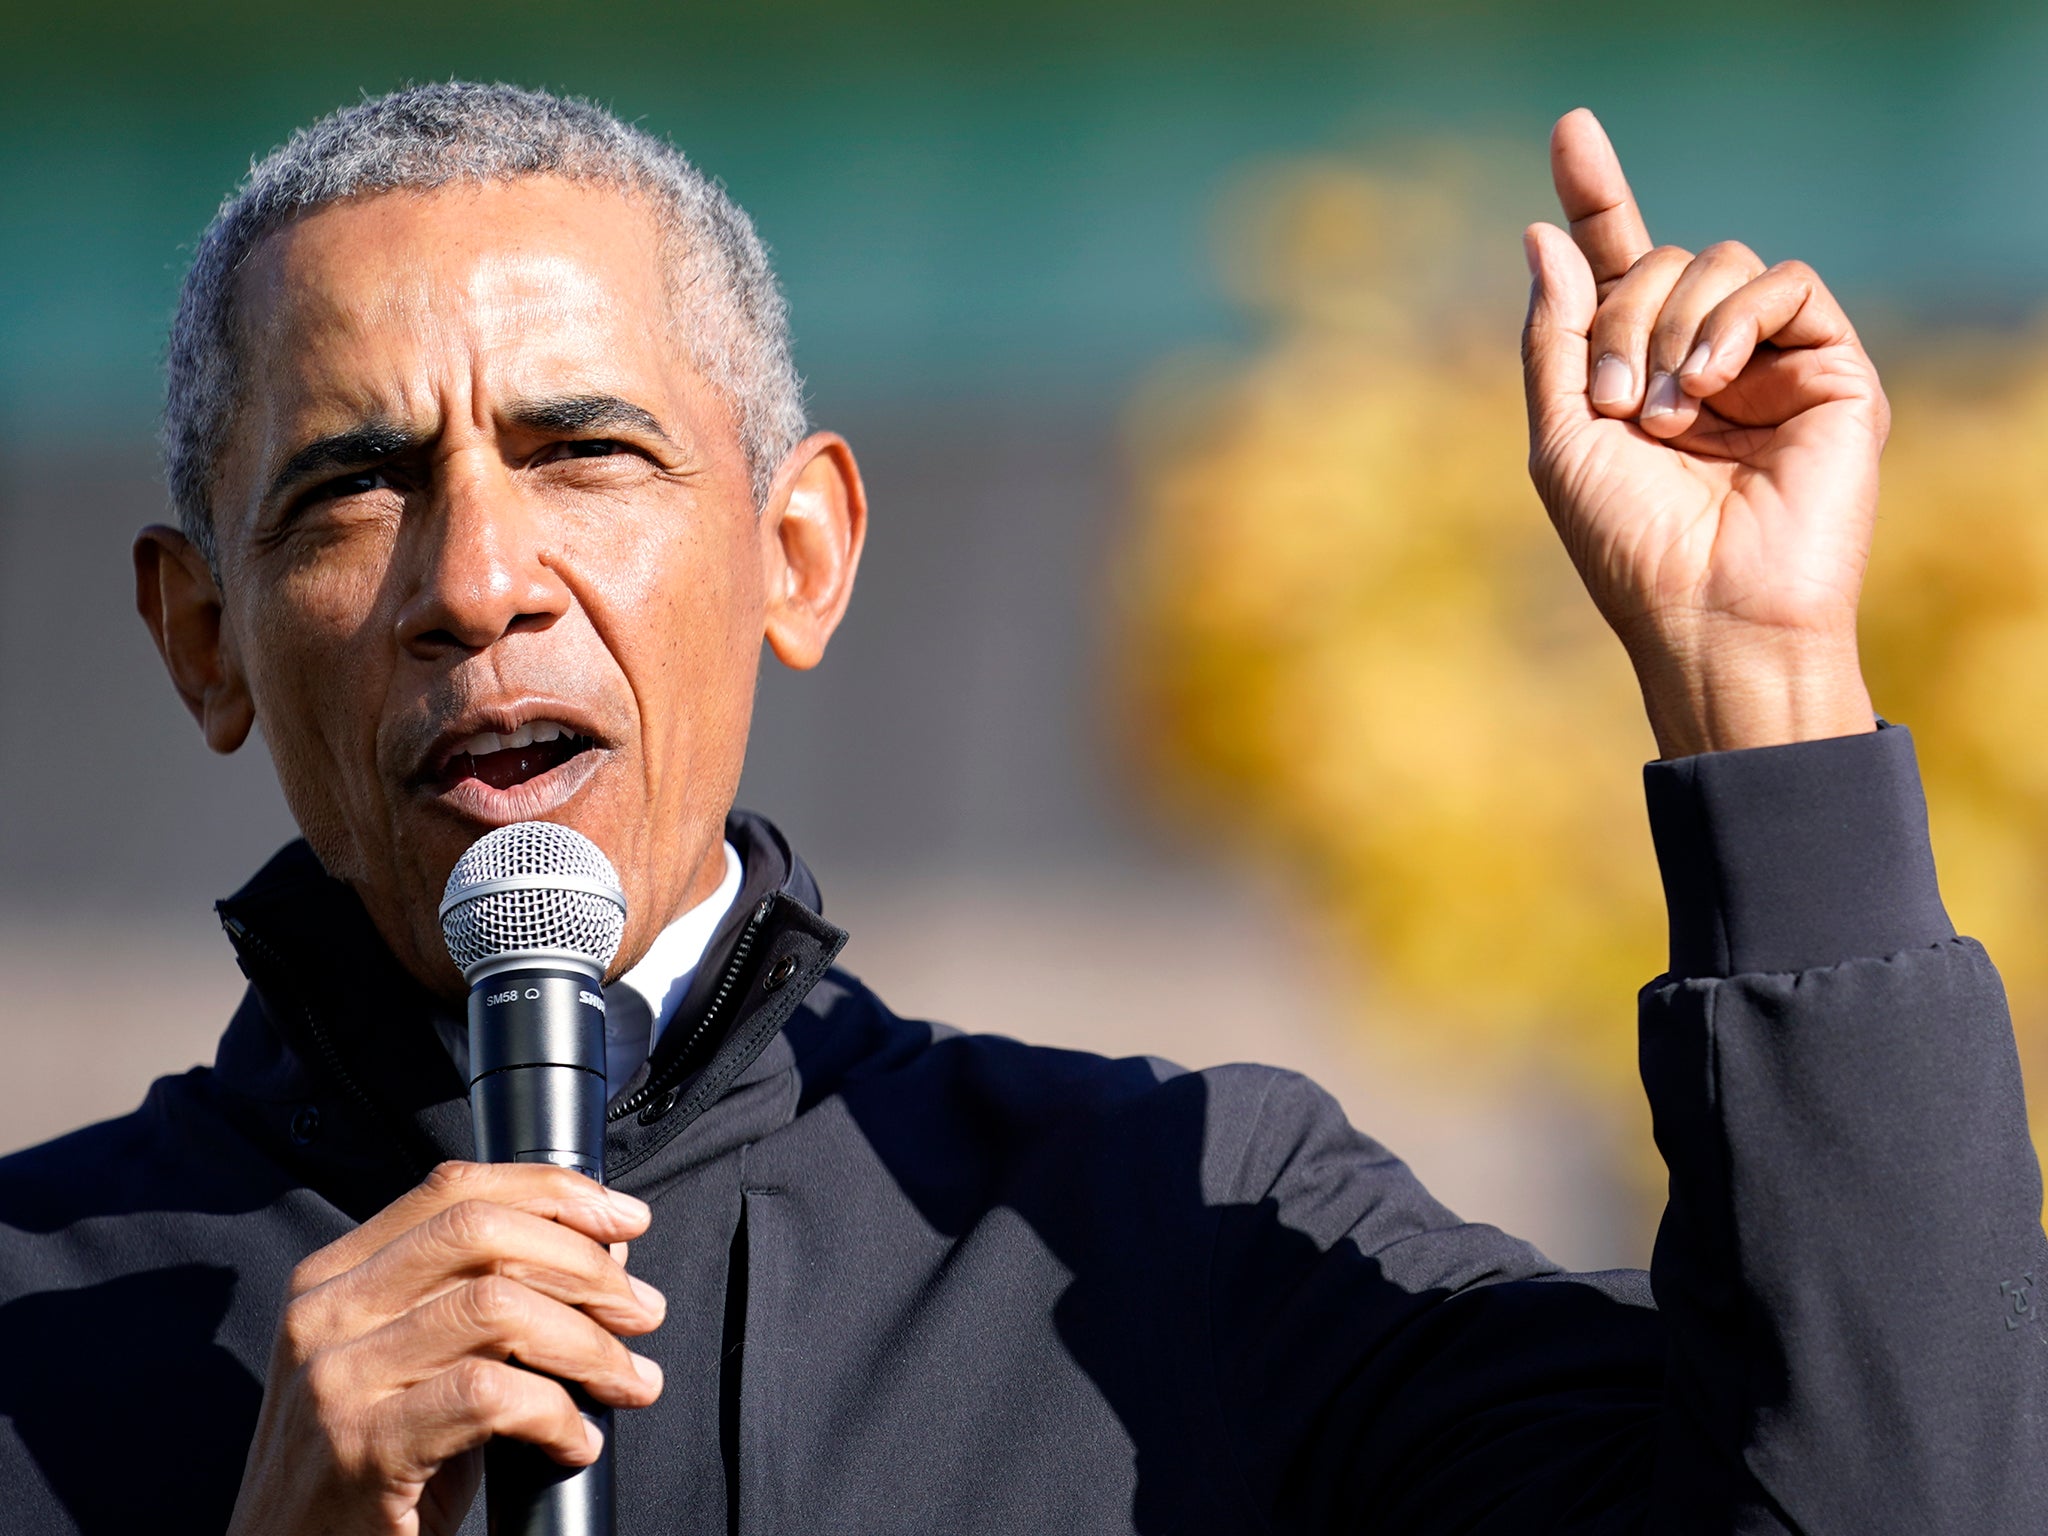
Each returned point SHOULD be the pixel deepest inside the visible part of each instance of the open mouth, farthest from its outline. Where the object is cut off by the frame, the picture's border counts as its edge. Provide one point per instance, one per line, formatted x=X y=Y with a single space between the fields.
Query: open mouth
x=511 y=759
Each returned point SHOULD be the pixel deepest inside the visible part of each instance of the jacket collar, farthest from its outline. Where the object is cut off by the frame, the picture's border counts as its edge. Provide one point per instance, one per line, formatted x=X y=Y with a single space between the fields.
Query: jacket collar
x=335 y=1058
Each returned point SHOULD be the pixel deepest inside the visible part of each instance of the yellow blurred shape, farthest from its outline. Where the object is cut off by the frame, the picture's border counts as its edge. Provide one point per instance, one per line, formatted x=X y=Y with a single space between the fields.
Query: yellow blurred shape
x=1352 y=645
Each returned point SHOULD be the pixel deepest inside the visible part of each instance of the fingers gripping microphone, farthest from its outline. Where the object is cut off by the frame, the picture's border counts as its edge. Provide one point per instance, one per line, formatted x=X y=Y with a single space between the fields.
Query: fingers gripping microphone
x=533 y=914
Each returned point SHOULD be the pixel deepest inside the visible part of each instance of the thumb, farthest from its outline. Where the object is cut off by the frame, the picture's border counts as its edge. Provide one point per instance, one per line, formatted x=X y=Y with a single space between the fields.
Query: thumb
x=1562 y=302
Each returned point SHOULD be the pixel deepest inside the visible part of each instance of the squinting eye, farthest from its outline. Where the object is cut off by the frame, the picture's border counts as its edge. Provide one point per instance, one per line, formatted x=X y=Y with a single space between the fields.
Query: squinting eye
x=350 y=485
x=590 y=448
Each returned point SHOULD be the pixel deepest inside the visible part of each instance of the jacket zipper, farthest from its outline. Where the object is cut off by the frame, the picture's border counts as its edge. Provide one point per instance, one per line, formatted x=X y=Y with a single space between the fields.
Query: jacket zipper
x=330 y=1055
x=744 y=947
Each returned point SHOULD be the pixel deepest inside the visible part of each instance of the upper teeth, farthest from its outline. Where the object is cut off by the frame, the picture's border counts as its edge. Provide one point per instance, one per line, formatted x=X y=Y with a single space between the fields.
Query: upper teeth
x=485 y=742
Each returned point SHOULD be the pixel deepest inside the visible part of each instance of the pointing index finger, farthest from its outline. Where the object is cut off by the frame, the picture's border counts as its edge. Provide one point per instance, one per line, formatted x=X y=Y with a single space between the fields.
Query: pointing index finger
x=1596 y=198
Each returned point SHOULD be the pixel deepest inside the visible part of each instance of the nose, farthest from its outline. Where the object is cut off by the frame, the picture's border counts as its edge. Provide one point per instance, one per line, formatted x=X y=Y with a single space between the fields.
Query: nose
x=482 y=567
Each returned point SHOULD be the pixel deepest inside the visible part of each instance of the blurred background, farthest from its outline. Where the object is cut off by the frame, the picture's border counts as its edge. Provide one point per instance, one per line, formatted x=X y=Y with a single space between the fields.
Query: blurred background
x=1214 y=679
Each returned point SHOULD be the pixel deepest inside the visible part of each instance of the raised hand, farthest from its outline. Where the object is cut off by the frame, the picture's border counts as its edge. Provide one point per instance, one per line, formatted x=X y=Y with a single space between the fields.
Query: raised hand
x=393 y=1362
x=1705 y=433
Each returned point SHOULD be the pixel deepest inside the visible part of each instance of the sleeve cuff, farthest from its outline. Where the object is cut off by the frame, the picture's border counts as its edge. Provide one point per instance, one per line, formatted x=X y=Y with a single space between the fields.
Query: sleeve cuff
x=1787 y=858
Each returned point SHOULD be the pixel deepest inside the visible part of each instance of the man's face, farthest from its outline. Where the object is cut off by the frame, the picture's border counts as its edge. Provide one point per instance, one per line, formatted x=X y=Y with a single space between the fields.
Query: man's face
x=488 y=546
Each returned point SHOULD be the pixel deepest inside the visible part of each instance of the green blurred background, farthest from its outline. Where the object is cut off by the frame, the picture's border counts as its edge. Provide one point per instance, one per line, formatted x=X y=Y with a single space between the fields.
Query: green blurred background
x=1015 y=199
x=1008 y=232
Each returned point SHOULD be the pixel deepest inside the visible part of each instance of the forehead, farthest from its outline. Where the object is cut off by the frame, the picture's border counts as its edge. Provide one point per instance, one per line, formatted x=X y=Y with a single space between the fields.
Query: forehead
x=534 y=284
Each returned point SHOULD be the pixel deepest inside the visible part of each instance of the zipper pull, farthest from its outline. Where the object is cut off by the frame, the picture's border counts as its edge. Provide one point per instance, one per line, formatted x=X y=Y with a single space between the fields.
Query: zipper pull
x=239 y=938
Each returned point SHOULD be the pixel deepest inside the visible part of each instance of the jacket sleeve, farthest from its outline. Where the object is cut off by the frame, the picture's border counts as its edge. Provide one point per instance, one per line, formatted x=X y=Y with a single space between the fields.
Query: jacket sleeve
x=1848 y=1262
x=1846 y=1332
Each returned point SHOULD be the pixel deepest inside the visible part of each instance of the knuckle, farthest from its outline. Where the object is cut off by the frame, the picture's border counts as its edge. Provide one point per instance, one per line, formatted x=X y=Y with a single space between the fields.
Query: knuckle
x=1730 y=251
x=1796 y=269
x=605 y=1276
x=493 y=1303
x=1670 y=343
x=618 y=1362
x=471 y=1224
x=1618 y=329
x=564 y=1419
x=565 y=1181
x=307 y=1275
x=300 y=1327
x=451 y=1179
x=479 y=1389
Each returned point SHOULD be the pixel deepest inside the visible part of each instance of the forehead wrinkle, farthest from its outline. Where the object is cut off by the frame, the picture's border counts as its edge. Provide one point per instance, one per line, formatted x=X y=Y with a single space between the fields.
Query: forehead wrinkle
x=491 y=302
x=387 y=332
x=301 y=413
x=475 y=296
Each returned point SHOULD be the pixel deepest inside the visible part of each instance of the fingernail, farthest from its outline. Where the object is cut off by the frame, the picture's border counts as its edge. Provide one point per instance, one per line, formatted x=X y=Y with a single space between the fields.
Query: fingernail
x=1697 y=363
x=647 y=1371
x=1529 y=253
x=1613 y=381
x=1662 y=398
x=594 y=1437
x=647 y=1295
x=627 y=1206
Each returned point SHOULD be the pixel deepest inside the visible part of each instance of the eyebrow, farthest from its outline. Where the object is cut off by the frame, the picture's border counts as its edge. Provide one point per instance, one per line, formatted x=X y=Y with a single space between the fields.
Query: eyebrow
x=369 y=442
x=580 y=413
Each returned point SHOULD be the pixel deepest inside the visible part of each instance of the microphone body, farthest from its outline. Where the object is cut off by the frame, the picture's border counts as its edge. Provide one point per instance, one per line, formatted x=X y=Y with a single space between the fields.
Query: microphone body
x=536 y=1066
x=537 y=1095
x=534 y=919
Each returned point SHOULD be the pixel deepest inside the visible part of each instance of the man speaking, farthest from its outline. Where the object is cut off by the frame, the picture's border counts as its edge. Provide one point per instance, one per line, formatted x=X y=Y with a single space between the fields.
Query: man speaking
x=492 y=475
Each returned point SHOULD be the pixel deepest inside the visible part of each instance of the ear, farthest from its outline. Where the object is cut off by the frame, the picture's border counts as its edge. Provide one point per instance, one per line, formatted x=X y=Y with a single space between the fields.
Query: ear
x=178 y=599
x=812 y=530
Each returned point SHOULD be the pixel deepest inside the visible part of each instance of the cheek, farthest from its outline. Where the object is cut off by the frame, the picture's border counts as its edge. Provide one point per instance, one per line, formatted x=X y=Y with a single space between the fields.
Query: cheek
x=684 y=597
x=330 y=608
x=682 y=614
x=316 y=690
x=316 y=667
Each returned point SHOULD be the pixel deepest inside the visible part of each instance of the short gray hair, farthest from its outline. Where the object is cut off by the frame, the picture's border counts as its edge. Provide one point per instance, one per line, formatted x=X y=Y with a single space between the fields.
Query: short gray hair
x=735 y=321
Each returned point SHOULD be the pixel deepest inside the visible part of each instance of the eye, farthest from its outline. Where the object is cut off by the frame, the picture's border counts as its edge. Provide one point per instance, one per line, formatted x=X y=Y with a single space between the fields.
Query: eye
x=586 y=448
x=357 y=484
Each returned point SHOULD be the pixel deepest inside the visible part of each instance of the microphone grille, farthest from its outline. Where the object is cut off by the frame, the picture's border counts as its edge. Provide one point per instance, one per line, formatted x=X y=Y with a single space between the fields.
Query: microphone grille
x=533 y=886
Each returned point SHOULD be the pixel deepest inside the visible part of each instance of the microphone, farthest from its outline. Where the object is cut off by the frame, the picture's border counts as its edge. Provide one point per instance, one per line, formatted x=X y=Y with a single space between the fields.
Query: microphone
x=533 y=915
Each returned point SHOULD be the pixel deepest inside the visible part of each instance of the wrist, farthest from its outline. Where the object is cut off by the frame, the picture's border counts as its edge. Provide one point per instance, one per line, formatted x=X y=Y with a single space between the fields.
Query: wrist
x=1753 y=689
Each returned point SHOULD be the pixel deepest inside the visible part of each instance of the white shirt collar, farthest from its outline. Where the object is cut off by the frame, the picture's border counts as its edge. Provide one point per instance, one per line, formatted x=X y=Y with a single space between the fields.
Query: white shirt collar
x=664 y=973
x=657 y=984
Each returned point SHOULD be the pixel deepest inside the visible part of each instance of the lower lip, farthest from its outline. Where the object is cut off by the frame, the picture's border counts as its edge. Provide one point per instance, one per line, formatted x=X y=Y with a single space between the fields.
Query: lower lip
x=541 y=795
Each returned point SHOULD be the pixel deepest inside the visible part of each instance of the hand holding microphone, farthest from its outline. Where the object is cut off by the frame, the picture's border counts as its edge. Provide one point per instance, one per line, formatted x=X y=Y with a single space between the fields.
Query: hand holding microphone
x=392 y=1367
x=533 y=915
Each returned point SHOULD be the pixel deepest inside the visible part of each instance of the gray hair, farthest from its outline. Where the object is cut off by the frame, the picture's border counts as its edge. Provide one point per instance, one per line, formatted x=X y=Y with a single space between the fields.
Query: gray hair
x=734 y=320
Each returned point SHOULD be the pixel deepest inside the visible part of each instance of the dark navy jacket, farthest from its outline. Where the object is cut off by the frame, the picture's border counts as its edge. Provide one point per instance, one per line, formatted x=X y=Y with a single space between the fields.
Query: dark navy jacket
x=923 y=1281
